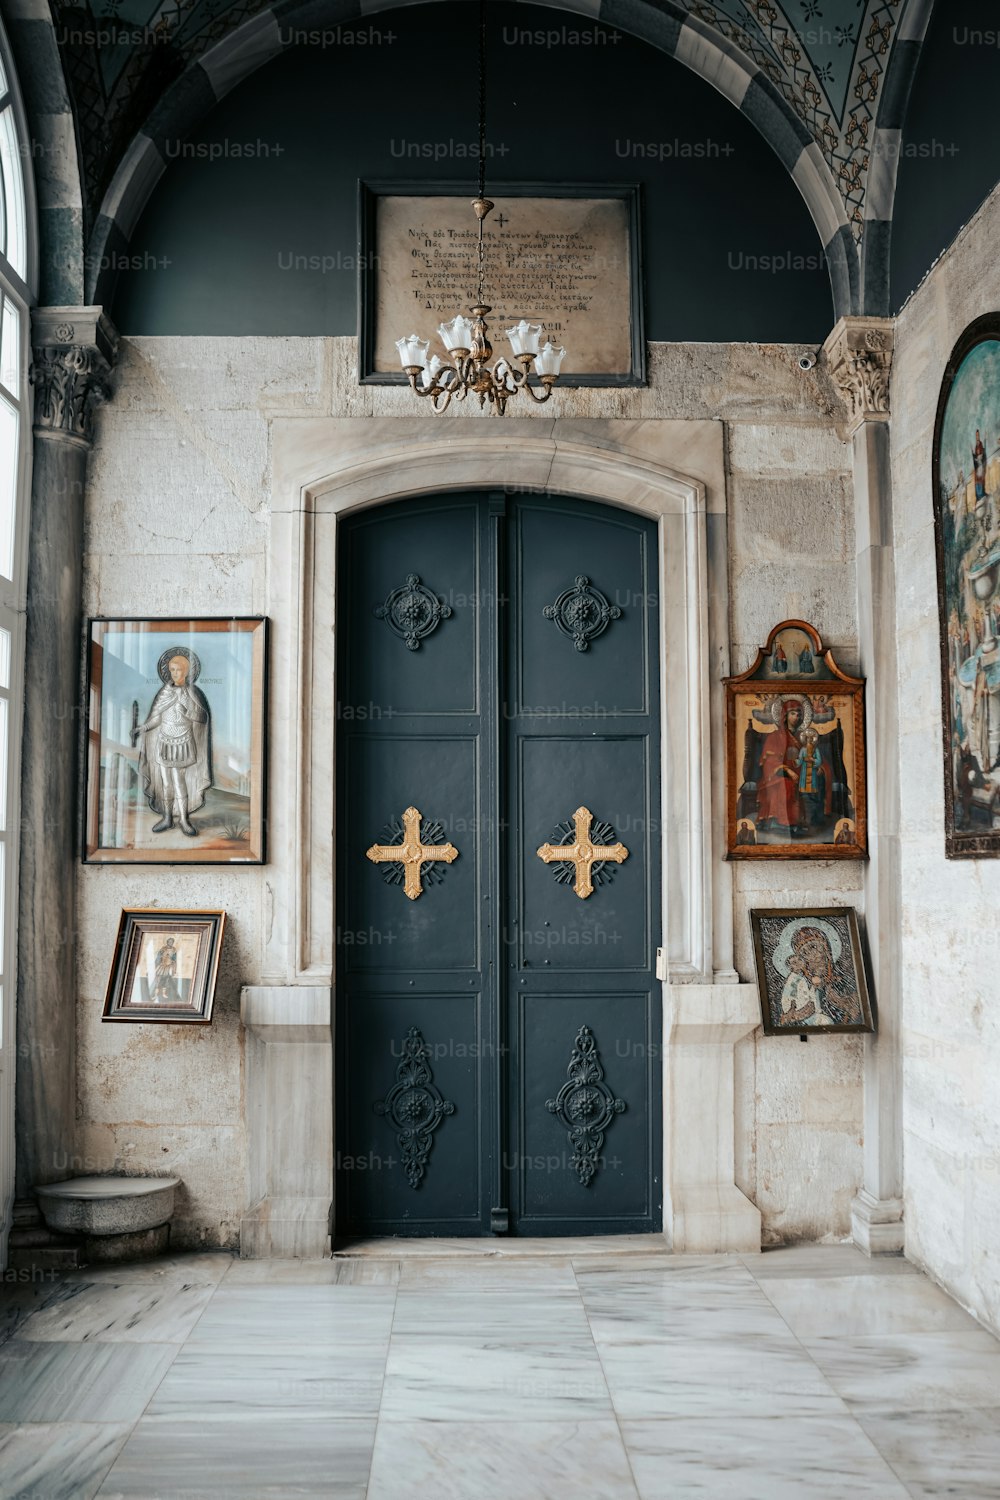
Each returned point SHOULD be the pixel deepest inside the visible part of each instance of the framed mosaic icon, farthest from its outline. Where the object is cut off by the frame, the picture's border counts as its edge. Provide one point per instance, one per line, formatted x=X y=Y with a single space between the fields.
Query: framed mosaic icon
x=165 y=966
x=810 y=971
x=967 y=529
x=175 y=749
x=795 y=753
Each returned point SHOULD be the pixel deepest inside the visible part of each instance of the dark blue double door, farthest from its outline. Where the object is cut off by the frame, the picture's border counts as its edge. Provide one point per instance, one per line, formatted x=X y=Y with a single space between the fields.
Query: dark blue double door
x=498 y=869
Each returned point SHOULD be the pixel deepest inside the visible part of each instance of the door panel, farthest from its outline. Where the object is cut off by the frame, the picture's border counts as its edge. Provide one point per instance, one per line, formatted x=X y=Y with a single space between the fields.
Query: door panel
x=610 y=929
x=439 y=930
x=416 y=739
x=552 y=1198
x=497 y=1034
x=583 y=733
x=448 y=1198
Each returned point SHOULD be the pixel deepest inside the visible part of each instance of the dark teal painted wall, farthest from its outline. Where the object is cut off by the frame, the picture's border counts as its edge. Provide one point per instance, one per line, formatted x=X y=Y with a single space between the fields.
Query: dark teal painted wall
x=270 y=178
x=950 y=154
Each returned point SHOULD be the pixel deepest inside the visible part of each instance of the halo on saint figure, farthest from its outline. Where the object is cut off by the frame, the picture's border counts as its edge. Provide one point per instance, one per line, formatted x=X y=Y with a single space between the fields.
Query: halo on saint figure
x=193 y=661
x=782 y=955
x=802 y=703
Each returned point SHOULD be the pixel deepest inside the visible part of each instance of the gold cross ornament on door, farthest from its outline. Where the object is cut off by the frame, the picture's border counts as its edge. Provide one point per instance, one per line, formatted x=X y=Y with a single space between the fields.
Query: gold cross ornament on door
x=412 y=853
x=583 y=854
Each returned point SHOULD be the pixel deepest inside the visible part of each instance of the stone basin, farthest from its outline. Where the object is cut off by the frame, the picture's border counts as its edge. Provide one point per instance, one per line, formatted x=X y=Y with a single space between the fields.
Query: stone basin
x=107 y=1205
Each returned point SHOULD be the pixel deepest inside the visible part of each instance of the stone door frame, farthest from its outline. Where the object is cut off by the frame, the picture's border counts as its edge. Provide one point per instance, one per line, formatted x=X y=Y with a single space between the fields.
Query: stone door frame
x=672 y=471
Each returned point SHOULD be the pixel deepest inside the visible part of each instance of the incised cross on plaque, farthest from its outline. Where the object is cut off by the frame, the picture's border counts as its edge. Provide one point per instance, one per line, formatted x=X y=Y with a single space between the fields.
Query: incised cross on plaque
x=411 y=853
x=583 y=853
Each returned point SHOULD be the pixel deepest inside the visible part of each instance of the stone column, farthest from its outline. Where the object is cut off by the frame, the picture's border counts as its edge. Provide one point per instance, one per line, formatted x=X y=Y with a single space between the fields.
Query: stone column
x=859 y=357
x=74 y=349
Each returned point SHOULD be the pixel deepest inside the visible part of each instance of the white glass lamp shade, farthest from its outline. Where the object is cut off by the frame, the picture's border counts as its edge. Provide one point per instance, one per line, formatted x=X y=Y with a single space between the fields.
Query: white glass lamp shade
x=412 y=350
x=549 y=360
x=457 y=334
x=429 y=373
x=524 y=337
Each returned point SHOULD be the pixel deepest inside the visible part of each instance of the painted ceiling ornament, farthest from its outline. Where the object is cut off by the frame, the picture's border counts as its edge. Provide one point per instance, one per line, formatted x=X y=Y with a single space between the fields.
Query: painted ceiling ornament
x=412 y=612
x=582 y=612
x=412 y=861
x=585 y=1106
x=579 y=859
x=414 y=1106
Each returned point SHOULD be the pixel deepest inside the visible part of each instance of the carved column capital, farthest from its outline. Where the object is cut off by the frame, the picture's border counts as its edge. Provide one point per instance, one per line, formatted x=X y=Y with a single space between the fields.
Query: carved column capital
x=858 y=354
x=74 y=351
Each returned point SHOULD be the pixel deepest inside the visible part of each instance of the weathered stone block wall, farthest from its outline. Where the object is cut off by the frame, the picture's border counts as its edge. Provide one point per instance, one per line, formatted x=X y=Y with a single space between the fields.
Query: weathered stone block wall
x=951 y=989
x=177 y=522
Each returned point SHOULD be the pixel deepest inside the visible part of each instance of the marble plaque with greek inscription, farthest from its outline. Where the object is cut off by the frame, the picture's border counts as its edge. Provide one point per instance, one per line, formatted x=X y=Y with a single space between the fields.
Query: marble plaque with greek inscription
x=561 y=262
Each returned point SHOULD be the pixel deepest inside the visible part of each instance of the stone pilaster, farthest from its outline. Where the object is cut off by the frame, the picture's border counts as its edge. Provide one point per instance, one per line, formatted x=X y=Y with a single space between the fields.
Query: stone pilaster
x=859 y=357
x=74 y=349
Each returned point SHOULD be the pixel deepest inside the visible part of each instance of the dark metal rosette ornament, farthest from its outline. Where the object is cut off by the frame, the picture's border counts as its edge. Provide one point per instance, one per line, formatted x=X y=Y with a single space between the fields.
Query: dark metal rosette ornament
x=414 y=1107
x=582 y=612
x=412 y=612
x=585 y=1106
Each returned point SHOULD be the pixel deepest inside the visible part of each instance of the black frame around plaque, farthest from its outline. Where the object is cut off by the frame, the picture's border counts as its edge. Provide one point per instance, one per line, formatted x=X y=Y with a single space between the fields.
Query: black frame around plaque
x=370 y=192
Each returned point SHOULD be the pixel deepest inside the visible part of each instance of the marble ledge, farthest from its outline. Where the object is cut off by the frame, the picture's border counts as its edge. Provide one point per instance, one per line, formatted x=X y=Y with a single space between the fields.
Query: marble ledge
x=710 y=1013
x=288 y=1013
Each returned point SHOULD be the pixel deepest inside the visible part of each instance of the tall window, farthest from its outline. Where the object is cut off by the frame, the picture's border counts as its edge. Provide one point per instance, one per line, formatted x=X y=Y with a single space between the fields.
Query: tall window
x=16 y=241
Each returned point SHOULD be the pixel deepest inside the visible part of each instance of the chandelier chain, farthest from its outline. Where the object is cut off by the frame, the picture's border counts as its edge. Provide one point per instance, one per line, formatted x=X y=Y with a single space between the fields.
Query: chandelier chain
x=467 y=340
x=482 y=142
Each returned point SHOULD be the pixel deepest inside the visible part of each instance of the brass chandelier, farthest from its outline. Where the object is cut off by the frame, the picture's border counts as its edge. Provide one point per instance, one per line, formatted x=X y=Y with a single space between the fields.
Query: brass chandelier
x=467 y=340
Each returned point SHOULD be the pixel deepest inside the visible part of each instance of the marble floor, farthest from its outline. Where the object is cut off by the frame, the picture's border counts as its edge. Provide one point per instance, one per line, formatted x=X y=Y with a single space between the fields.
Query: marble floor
x=549 y=1373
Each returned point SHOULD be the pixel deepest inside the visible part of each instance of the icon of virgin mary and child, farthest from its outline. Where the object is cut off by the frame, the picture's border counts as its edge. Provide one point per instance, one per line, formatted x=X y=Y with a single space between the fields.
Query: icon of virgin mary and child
x=175 y=744
x=806 y=957
x=794 y=779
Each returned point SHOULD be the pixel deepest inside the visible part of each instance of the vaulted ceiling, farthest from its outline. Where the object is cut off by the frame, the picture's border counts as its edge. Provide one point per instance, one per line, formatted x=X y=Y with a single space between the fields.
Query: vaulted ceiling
x=828 y=59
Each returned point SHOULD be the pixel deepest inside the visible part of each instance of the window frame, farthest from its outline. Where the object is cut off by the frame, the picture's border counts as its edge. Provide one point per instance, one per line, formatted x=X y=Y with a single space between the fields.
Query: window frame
x=22 y=292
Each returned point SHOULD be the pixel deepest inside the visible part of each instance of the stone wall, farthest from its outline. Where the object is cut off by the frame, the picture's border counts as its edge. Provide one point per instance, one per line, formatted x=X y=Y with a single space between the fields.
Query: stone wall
x=177 y=521
x=951 y=1001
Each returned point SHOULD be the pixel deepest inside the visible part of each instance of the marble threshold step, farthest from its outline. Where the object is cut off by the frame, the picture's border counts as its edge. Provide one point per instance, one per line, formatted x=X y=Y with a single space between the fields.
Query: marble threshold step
x=403 y=1248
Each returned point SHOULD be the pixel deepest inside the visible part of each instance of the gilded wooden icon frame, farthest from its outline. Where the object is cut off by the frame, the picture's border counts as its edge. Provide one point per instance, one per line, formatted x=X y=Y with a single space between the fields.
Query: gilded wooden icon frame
x=752 y=833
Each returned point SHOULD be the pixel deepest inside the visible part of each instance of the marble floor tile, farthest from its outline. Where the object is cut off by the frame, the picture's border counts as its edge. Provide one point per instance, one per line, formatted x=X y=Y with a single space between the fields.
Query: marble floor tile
x=725 y=1301
x=312 y=1273
x=513 y=1315
x=341 y=1380
x=788 y=1456
x=441 y=1380
x=940 y=1453
x=57 y=1460
x=20 y=1300
x=853 y=1306
x=114 y=1313
x=488 y=1273
x=825 y=1260
x=51 y=1382
x=915 y=1371
x=195 y=1267
x=714 y=1292
x=248 y=1316
x=266 y=1458
x=502 y=1461
x=669 y=1268
x=692 y=1378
